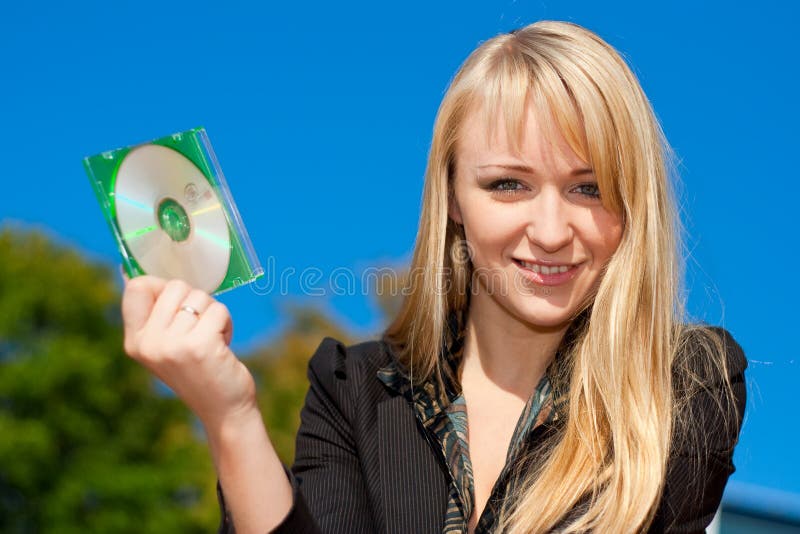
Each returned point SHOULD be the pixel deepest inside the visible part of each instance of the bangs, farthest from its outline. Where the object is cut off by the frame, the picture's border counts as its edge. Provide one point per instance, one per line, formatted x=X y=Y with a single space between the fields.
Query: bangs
x=563 y=102
x=512 y=82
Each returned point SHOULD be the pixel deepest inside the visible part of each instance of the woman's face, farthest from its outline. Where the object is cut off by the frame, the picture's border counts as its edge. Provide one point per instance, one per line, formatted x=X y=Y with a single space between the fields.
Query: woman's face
x=537 y=232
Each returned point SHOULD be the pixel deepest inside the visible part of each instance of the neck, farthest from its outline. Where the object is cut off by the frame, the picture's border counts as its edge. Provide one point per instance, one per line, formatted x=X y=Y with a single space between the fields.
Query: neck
x=511 y=354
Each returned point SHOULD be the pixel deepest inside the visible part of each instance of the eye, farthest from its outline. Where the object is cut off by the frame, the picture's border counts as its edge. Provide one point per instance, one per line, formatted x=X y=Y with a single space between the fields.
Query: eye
x=588 y=190
x=506 y=186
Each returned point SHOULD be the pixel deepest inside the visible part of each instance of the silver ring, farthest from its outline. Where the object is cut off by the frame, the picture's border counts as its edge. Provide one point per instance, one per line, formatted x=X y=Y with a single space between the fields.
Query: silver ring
x=191 y=310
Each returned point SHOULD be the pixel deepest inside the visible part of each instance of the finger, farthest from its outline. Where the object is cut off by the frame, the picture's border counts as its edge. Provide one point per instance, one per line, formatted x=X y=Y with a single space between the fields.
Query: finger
x=184 y=320
x=216 y=320
x=138 y=300
x=168 y=303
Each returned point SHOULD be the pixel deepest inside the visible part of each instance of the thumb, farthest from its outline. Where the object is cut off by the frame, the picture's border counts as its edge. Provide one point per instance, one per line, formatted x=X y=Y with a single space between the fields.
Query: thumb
x=138 y=300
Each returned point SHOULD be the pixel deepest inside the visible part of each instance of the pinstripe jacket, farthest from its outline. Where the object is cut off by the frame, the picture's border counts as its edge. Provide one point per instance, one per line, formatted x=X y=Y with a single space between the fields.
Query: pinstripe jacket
x=364 y=464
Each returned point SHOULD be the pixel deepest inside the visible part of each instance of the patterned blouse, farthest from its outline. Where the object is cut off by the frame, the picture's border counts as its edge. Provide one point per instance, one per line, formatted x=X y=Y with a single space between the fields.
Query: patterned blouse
x=442 y=412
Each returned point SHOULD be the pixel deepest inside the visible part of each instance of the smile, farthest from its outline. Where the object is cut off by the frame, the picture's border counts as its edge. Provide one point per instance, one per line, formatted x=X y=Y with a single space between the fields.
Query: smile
x=552 y=275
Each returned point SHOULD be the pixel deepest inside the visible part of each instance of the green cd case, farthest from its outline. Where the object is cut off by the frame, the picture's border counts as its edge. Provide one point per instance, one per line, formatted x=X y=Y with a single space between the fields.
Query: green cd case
x=172 y=214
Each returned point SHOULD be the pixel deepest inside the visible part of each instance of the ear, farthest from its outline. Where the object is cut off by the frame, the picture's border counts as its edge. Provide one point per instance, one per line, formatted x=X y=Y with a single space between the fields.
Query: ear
x=453 y=210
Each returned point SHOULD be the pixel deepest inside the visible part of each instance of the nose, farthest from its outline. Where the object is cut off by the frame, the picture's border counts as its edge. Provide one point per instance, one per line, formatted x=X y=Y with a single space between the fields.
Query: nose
x=549 y=225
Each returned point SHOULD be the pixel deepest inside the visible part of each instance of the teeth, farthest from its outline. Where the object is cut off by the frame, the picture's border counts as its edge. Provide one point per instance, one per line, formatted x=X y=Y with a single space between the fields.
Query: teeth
x=543 y=269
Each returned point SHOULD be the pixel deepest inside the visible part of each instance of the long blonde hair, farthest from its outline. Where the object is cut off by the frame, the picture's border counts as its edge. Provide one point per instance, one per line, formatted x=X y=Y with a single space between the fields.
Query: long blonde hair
x=613 y=451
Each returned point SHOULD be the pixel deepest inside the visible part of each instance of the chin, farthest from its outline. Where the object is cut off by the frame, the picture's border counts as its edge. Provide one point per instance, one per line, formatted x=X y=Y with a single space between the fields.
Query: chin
x=550 y=319
x=554 y=323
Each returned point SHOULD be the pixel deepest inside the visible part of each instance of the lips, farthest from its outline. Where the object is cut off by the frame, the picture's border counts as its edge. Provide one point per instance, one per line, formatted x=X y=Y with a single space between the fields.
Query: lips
x=550 y=274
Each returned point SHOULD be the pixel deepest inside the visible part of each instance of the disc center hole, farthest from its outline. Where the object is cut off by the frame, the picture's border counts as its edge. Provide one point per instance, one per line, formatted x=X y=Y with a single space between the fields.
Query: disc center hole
x=173 y=219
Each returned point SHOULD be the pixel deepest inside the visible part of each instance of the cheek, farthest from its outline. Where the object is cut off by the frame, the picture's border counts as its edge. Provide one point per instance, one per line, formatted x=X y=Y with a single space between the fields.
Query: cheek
x=490 y=230
x=604 y=236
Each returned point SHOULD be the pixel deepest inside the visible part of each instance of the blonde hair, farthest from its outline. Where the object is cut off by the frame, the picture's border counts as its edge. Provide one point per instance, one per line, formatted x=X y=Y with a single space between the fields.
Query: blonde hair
x=612 y=454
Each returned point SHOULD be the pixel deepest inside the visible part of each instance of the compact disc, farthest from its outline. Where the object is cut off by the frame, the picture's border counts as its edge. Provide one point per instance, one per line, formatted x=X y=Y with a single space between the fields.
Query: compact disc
x=170 y=217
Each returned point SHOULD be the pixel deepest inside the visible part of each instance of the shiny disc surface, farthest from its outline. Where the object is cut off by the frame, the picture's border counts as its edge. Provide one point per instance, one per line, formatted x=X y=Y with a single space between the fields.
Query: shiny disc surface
x=171 y=218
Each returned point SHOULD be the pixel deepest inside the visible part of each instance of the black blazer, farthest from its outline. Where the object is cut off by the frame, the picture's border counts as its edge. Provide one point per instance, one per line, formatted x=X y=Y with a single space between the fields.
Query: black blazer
x=363 y=465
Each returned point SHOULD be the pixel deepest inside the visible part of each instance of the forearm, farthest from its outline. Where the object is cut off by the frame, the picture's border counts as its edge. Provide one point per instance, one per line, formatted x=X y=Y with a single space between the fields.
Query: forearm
x=257 y=492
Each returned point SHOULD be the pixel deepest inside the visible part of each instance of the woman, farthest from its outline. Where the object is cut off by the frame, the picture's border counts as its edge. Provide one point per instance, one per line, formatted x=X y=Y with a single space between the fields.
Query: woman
x=544 y=304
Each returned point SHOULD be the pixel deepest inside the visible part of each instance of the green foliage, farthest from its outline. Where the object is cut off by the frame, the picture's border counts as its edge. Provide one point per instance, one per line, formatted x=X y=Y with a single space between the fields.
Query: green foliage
x=87 y=444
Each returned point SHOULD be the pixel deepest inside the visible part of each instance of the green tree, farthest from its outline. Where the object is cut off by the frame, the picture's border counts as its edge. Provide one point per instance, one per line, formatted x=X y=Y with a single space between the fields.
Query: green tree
x=88 y=444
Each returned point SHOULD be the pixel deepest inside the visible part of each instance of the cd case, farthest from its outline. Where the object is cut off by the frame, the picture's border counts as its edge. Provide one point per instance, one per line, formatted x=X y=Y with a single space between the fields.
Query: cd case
x=172 y=214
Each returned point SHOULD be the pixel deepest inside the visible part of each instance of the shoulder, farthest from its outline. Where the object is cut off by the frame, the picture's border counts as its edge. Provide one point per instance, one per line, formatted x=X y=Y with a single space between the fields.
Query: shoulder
x=336 y=359
x=702 y=346
x=344 y=371
x=709 y=387
x=710 y=397
x=343 y=384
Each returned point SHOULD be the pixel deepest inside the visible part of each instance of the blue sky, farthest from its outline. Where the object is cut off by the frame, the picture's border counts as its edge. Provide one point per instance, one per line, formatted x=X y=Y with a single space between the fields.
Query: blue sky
x=321 y=115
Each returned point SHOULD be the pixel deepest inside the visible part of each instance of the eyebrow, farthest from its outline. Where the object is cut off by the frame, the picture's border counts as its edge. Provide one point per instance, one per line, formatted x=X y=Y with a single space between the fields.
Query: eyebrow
x=580 y=171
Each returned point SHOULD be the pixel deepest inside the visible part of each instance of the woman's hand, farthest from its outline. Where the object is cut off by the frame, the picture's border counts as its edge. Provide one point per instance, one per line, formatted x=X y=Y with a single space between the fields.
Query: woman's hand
x=182 y=335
